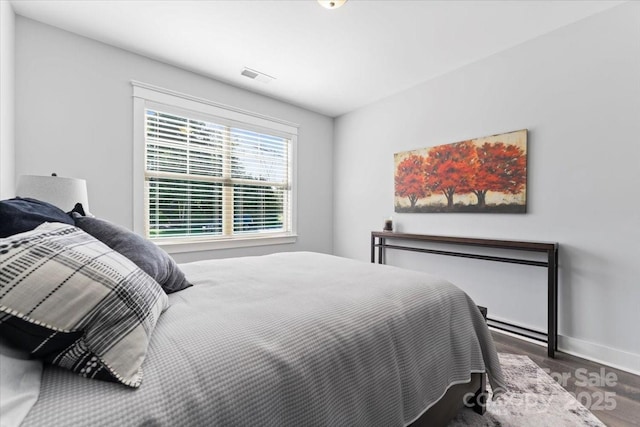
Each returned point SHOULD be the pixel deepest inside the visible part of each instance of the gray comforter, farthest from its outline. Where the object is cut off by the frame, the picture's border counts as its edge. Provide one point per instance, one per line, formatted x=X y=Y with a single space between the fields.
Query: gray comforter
x=291 y=339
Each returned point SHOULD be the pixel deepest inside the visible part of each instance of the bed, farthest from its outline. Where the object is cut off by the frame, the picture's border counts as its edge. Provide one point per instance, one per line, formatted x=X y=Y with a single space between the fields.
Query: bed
x=294 y=338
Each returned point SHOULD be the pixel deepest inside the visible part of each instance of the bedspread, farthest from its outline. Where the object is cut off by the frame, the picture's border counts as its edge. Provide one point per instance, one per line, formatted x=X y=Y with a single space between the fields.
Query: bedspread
x=289 y=339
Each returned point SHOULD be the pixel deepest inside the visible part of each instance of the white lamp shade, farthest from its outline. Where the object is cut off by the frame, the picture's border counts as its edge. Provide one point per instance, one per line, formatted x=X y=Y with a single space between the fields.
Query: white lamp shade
x=61 y=192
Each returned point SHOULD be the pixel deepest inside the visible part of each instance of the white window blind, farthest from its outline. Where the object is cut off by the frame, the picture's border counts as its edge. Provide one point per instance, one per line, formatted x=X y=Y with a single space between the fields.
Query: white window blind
x=208 y=177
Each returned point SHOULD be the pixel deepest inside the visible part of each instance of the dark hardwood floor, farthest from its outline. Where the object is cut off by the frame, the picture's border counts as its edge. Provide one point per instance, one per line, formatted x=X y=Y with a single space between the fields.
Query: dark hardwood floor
x=611 y=394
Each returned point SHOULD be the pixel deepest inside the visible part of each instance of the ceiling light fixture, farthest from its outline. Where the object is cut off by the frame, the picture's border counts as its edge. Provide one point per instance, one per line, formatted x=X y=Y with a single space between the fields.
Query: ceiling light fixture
x=331 y=4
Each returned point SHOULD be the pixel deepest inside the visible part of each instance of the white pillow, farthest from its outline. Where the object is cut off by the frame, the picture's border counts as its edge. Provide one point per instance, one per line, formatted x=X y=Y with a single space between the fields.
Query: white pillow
x=19 y=386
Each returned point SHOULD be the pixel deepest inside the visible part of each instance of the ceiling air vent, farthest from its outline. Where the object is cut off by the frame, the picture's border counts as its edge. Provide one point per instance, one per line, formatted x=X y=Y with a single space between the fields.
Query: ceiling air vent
x=257 y=75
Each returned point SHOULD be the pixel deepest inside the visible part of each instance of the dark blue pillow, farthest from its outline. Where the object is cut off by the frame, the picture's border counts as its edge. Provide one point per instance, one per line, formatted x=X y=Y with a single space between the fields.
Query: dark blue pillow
x=19 y=215
x=151 y=259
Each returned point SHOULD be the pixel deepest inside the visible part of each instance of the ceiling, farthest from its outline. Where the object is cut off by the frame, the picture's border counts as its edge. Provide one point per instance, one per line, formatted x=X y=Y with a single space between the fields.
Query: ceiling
x=328 y=61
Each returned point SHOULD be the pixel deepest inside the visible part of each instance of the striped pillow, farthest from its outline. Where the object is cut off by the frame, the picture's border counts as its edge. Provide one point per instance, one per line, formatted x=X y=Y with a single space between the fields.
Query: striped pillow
x=71 y=300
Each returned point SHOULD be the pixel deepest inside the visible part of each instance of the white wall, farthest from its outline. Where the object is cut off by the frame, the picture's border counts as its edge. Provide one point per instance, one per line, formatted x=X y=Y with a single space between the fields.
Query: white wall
x=577 y=90
x=7 y=100
x=74 y=112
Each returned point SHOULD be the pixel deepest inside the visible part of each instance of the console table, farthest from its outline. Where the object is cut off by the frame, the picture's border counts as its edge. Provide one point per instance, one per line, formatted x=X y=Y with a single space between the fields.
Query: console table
x=379 y=240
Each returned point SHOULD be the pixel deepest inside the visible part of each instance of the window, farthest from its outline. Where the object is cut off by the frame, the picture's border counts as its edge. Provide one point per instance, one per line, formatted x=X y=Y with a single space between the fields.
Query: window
x=211 y=174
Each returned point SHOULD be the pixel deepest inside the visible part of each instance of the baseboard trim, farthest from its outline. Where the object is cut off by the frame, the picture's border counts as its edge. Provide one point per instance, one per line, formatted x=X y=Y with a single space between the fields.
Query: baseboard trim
x=520 y=337
x=615 y=358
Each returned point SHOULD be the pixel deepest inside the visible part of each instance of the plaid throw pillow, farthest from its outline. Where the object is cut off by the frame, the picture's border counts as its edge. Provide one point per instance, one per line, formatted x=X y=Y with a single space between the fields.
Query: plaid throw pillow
x=74 y=302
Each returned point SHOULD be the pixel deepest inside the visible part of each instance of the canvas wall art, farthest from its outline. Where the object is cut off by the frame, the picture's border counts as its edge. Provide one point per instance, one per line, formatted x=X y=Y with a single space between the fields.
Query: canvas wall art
x=487 y=174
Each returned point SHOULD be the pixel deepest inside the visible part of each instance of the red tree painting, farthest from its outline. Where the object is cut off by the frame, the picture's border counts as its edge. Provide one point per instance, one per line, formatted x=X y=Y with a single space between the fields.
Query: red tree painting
x=500 y=168
x=410 y=179
x=449 y=169
x=480 y=175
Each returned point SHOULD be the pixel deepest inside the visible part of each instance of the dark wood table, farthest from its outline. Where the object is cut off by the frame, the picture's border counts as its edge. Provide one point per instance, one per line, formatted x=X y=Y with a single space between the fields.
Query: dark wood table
x=379 y=241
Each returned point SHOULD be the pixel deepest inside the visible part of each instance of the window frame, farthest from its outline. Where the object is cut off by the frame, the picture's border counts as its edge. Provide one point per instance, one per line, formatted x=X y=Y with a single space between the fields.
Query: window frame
x=149 y=96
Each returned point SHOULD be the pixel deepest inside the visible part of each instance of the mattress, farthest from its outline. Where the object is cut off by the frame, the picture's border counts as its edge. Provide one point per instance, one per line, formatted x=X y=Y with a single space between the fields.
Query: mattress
x=289 y=339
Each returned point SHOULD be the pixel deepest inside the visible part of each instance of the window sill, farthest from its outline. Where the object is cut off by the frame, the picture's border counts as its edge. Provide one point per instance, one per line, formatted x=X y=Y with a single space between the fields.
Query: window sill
x=231 y=243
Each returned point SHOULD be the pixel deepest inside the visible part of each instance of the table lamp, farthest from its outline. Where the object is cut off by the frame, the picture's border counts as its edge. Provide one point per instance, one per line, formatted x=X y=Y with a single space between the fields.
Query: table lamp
x=61 y=192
